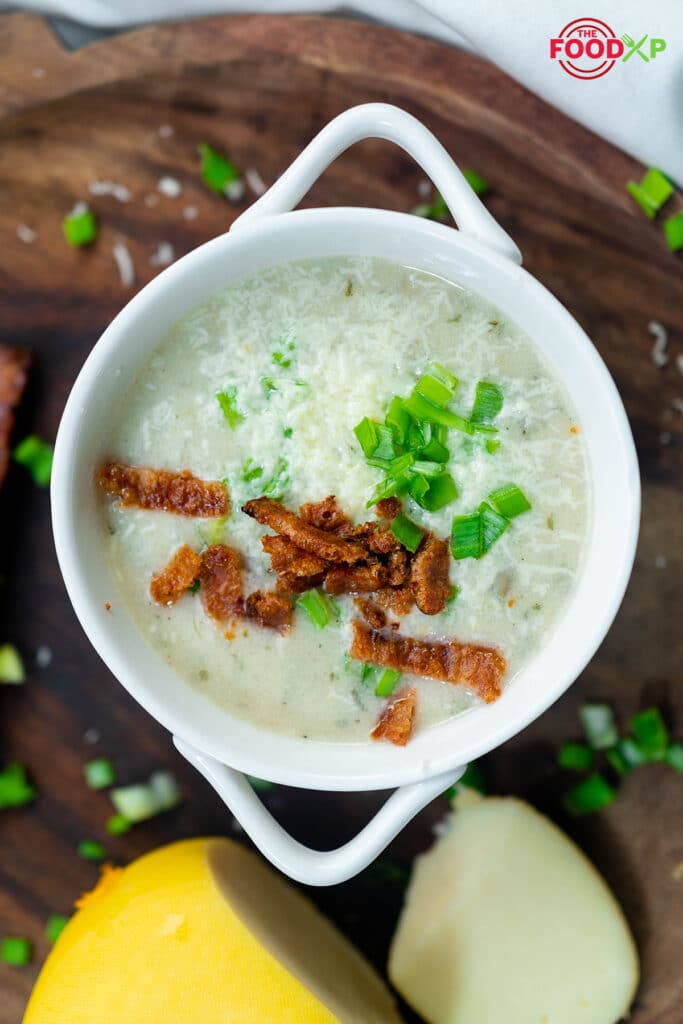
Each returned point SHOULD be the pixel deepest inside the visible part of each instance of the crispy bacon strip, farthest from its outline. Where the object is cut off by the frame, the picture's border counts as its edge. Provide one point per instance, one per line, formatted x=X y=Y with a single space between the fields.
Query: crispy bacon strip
x=356 y=579
x=326 y=515
x=270 y=609
x=307 y=537
x=371 y=612
x=479 y=668
x=164 y=491
x=177 y=577
x=221 y=582
x=396 y=721
x=429 y=575
x=388 y=508
x=14 y=366
x=296 y=570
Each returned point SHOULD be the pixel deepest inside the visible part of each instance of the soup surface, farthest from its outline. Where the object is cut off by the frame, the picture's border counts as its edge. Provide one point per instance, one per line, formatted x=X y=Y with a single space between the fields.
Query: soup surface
x=304 y=352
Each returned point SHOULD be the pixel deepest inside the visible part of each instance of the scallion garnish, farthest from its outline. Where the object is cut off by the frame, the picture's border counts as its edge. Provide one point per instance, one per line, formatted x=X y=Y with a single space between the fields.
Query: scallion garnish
x=145 y=800
x=651 y=192
x=228 y=402
x=466 y=536
x=250 y=471
x=492 y=525
x=368 y=672
x=16 y=951
x=287 y=431
x=435 y=451
x=479 y=185
x=165 y=787
x=453 y=596
x=599 y=725
x=315 y=605
x=100 y=774
x=576 y=757
x=282 y=360
x=11 y=665
x=406 y=532
x=117 y=825
x=488 y=401
x=80 y=226
x=268 y=385
x=435 y=389
x=56 y=924
x=492 y=446
x=509 y=501
x=89 y=849
x=277 y=486
x=421 y=409
x=366 y=433
x=36 y=455
x=216 y=171
x=15 y=789
x=398 y=420
x=387 y=682
x=386 y=447
x=673 y=231
x=674 y=756
x=589 y=795
x=418 y=488
x=650 y=734
x=442 y=491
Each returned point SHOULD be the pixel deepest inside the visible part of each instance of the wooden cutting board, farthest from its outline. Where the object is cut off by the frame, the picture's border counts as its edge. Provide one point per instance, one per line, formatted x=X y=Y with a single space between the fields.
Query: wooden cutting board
x=132 y=109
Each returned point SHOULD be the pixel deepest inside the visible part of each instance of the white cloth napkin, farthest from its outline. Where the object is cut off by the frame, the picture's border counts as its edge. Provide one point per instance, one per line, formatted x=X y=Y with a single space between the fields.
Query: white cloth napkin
x=638 y=104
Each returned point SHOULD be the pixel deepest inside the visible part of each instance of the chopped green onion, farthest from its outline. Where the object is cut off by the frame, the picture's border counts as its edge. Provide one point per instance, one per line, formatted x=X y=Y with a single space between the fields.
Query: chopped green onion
x=492 y=446
x=386 y=448
x=387 y=489
x=250 y=471
x=387 y=682
x=398 y=420
x=436 y=210
x=626 y=755
x=493 y=526
x=420 y=435
x=466 y=536
x=316 y=607
x=418 y=488
x=15 y=789
x=56 y=924
x=673 y=231
x=117 y=825
x=442 y=491
x=590 y=795
x=576 y=757
x=216 y=171
x=435 y=451
x=99 y=774
x=214 y=530
x=509 y=501
x=228 y=402
x=674 y=756
x=16 y=951
x=11 y=665
x=268 y=385
x=406 y=532
x=479 y=185
x=145 y=800
x=279 y=482
x=398 y=466
x=368 y=672
x=434 y=390
x=428 y=469
x=599 y=725
x=650 y=734
x=334 y=607
x=260 y=785
x=287 y=432
x=366 y=433
x=488 y=401
x=453 y=596
x=420 y=409
x=651 y=192
x=473 y=778
x=89 y=849
x=165 y=787
x=36 y=455
x=282 y=360
x=80 y=226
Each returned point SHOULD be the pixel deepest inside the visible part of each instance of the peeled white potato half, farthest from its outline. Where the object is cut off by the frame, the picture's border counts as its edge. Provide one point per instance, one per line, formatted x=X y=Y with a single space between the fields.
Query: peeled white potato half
x=506 y=922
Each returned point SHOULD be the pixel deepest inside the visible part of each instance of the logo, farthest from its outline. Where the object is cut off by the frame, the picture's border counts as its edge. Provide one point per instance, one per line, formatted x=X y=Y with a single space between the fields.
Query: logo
x=589 y=48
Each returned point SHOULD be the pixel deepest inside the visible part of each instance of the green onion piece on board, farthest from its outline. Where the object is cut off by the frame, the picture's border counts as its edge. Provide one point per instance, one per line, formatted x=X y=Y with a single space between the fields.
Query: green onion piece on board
x=488 y=401
x=599 y=725
x=165 y=787
x=117 y=825
x=56 y=924
x=406 y=532
x=80 y=226
x=316 y=607
x=16 y=951
x=15 y=789
x=397 y=419
x=650 y=734
x=36 y=455
x=479 y=185
x=673 y=231
x=592 y=794
x=629 y=753
x=466 y=536
x=260 y=785
x=277 y=486
x=11 y=665
x=99 y=774
x=442 y=491
x=674 y=756
x=216 y=171
x=493 y=526
x=651 y=192
x=576 y=757
x=387 y=682
x=509 y=501
x=420 y=409
x=89 y=849
x=250 y=471
x=228 y=402
x=137 y=802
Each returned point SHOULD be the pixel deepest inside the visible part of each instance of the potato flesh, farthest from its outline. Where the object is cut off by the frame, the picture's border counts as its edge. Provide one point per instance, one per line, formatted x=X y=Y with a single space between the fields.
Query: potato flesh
x=506 y=920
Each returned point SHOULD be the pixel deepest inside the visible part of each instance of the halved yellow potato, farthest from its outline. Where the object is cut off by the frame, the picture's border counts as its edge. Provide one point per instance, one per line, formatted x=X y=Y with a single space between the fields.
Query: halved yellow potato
x=506 y=922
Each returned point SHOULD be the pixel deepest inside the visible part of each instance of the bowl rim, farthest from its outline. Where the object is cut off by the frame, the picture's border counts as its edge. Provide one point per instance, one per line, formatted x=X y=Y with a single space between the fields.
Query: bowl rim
x=258 y=751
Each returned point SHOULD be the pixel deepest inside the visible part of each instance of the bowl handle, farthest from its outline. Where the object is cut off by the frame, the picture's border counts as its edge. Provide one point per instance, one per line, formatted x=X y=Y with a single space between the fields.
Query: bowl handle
x=383 y=121
x=314 y=867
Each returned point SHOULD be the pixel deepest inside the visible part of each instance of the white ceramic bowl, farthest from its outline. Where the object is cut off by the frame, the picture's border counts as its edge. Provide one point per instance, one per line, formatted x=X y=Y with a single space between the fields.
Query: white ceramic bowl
x=479 y=256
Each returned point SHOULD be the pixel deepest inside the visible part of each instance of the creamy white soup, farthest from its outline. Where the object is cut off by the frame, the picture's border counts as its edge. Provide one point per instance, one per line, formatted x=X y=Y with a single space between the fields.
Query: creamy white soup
x=301 y=355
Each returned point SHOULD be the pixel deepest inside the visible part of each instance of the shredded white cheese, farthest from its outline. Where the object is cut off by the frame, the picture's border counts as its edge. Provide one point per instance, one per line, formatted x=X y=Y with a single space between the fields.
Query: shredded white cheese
x=91 y=736
x=43 y=656
x=255 y=181
x=38 y=72
x=124 y=262
x=163 y=255
x=424 y=188
x=110 y=188
x=170 y=187
x=26 y=234
x=660 y=334
x=234 y=190
x=166 y=131
x=190 y=213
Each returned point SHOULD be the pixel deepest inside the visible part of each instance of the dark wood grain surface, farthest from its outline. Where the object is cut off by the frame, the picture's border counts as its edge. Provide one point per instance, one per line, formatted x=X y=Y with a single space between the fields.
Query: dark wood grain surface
x=259 y=88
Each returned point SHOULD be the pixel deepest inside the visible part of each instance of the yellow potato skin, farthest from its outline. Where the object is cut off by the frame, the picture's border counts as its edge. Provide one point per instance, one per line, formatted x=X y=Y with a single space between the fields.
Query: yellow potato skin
x=158 y=944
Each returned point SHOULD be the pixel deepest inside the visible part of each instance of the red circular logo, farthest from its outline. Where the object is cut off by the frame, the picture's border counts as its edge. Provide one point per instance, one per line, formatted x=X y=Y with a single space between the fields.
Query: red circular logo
x=587 y=48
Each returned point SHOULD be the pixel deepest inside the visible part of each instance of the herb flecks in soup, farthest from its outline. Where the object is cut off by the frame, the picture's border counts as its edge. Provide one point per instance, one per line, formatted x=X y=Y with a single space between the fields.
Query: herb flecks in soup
x=404 y=394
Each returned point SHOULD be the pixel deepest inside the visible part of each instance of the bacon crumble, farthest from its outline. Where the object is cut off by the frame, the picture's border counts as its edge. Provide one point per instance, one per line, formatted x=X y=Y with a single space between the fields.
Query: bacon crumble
x=221 y=582
x=163 y=491
x=430 y=575
x=307 y=537
x=271 y=610
x=295 y=569
x=371 y=612
x=169 y=585
x=396 y=720
x=326 y=515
